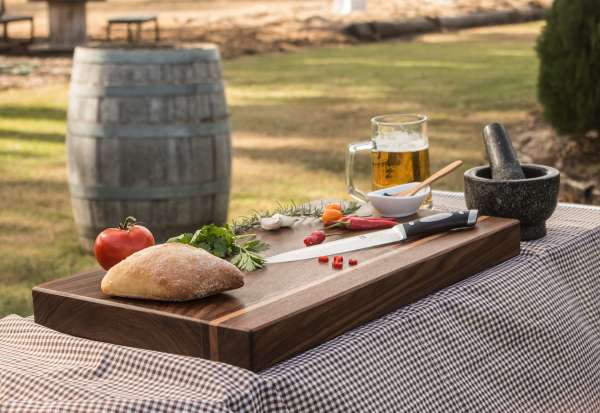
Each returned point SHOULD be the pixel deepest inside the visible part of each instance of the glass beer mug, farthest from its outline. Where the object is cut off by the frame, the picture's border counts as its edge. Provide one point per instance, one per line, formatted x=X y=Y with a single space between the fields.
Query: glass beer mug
x=399 y=153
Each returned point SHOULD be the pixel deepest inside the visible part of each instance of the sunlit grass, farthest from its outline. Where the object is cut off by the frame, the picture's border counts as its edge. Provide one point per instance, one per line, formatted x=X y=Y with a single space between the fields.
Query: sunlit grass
x=292 y=117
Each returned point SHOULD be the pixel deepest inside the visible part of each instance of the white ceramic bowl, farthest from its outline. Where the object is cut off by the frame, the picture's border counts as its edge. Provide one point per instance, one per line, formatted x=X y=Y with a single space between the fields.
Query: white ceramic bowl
x=392 y=206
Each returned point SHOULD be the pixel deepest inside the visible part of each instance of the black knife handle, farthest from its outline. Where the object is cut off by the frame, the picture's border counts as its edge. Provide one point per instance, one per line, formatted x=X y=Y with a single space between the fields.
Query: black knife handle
x=441 y=222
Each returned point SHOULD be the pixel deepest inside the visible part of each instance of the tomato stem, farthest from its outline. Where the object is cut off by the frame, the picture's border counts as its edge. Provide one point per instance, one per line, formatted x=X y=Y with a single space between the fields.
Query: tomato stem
x=128 y=223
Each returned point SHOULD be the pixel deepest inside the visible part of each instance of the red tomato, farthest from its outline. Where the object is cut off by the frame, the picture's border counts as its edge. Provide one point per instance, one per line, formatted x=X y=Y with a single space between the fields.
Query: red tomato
x=113 y=245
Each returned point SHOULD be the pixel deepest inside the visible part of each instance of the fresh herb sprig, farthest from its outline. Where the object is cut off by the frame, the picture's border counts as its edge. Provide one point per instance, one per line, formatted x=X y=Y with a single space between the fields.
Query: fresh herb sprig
x=290 y=209
x=222 y=242
x=248 y=257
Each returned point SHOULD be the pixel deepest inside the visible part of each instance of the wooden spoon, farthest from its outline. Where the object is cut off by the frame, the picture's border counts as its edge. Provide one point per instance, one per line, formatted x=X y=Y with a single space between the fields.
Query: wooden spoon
x=438 y=175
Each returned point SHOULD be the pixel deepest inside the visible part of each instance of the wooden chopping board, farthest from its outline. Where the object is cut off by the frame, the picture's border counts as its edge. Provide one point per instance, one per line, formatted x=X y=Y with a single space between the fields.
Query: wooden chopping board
x=283 y=309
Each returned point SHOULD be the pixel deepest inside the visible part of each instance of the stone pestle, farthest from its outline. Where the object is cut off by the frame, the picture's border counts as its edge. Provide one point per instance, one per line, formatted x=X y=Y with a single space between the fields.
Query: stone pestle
x=504 y=163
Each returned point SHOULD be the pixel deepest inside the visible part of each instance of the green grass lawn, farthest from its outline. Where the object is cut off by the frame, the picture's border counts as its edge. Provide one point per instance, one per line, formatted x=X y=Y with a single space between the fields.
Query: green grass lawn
x=293 y=115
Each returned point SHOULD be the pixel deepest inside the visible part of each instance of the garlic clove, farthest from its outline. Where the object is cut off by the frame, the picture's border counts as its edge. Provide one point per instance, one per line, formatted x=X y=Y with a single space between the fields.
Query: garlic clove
x=306 y=221
x=271 y=223
x=286 y=221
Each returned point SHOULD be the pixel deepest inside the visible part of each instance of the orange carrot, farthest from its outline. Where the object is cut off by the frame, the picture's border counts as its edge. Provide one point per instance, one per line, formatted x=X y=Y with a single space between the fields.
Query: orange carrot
x=331 y=215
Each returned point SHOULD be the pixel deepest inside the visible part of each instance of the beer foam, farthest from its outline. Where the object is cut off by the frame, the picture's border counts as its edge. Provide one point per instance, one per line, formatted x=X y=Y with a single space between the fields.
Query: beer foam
x=401 y=142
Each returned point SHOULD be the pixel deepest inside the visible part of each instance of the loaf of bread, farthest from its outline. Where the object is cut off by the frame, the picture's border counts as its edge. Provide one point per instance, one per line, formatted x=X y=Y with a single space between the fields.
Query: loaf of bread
x=171 y=272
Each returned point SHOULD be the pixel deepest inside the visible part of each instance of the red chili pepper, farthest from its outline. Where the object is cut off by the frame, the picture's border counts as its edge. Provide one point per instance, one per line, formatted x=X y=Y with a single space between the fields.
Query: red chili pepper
x=360 y=223
x=347 y=217
x=324 y=259
x=352 y=261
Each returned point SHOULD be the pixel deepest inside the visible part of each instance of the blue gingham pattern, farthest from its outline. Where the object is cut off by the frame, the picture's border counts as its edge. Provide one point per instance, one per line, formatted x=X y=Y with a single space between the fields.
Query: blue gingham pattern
x=522 y=336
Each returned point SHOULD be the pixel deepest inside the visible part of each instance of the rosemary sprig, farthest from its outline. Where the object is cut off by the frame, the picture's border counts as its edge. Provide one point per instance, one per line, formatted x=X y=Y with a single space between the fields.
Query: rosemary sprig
x=291 y=209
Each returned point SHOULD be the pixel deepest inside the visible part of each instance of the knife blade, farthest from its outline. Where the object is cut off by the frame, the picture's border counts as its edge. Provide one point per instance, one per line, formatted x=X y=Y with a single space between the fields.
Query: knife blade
x=430 y=224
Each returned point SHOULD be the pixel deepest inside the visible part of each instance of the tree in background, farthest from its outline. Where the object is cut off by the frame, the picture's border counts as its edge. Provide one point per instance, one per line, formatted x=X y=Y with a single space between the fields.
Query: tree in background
x=569 y=91
x=569 y=78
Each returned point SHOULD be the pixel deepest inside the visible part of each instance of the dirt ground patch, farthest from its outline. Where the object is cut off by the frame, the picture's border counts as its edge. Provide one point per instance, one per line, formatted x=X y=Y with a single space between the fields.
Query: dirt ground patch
x=239 y=27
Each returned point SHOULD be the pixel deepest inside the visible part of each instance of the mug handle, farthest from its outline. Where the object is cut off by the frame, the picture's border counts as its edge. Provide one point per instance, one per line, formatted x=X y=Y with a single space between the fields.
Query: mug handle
x=353 y=148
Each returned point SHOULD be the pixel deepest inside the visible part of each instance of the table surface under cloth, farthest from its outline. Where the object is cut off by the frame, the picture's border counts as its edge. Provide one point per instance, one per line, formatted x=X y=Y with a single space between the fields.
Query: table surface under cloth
x=522 y=336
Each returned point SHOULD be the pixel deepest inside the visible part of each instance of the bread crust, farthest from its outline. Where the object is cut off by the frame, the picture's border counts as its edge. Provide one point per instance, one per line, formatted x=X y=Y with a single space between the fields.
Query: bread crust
x=171 y=272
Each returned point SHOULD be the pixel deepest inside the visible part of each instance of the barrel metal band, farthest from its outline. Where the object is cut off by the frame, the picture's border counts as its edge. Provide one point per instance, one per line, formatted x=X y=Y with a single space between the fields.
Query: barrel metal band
x=97 y=130
x=145 y=57
x=107 y=193
x=78 y=90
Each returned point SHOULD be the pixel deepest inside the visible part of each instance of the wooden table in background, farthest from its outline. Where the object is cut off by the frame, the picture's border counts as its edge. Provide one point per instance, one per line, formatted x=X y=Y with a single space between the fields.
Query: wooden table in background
x=67 y=23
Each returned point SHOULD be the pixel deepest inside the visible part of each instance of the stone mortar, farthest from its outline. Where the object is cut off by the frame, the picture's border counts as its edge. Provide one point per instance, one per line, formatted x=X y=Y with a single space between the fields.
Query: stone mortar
x=531 y=200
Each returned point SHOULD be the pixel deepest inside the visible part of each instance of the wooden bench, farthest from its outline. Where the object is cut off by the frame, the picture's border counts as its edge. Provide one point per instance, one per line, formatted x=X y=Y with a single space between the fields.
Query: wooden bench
x=130 y=21
x=6 y=19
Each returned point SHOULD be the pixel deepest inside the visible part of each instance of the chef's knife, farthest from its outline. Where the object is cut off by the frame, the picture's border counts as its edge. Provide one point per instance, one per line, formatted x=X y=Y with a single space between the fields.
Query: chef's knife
x=433 y=223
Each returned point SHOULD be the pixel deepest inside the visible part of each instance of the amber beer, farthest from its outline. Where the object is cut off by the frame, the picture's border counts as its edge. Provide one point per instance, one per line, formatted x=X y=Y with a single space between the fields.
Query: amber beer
x=396 y=168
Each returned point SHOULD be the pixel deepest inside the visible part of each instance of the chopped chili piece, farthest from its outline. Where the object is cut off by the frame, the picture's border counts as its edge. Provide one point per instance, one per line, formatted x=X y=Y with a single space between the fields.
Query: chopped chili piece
x=352 y=261
x=338 y=265
x=315 y=237
x=308 y=241
x=319 y=236
x=324 y=259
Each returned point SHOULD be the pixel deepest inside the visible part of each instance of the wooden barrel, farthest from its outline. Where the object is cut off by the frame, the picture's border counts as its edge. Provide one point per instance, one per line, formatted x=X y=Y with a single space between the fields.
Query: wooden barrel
x=148 y=136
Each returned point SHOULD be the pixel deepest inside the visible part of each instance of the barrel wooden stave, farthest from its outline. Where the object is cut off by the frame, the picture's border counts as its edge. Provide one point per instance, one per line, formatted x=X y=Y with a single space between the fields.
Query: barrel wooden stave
x=149 y=140
x=93 y=74
x=154 y=110
x=187 y=161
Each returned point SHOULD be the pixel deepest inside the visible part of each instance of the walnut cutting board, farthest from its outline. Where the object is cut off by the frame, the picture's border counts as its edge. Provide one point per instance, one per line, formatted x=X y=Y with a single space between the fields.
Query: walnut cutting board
x=283 y=309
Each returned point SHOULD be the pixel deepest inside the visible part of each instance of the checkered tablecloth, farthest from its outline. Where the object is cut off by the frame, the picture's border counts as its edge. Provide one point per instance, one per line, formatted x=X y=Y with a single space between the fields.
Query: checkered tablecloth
x=522 y=336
